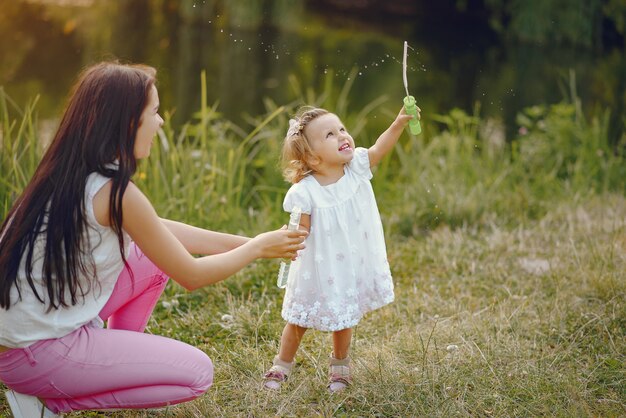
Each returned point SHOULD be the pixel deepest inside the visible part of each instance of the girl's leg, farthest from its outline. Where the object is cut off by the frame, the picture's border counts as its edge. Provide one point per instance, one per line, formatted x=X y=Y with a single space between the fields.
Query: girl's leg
x=94 y=368
x=283 y=362
x=341 y=343
x=290 y=341
x=135 y=295
x=340 y=375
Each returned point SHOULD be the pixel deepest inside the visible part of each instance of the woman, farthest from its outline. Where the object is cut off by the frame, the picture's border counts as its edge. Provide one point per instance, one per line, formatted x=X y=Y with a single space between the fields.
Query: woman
x=83 y=245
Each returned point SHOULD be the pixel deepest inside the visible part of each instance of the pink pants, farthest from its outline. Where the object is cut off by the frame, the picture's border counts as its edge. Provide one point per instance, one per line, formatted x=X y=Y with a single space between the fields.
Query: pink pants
x=117 y=367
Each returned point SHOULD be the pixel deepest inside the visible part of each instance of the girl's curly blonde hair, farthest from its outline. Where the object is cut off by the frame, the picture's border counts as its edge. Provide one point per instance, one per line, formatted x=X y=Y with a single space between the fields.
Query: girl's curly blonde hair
x=297 y=150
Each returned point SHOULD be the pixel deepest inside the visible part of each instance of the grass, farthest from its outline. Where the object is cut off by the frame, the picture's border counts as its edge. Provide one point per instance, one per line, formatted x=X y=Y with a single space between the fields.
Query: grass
x=475 y=330
x=508 y=259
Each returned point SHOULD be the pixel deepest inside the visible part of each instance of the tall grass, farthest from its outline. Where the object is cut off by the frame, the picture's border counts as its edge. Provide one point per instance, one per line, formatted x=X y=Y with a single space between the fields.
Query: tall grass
x=20 y=148
x=468 y=173
x=461 y=171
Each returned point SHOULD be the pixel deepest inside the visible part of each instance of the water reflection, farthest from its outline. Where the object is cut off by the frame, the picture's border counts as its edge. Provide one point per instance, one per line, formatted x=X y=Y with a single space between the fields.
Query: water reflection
x=250 y=48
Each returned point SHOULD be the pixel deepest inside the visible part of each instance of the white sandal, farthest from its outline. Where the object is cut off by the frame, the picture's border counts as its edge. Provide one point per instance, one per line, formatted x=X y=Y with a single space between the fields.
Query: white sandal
x=340 y=375
x=277 y=374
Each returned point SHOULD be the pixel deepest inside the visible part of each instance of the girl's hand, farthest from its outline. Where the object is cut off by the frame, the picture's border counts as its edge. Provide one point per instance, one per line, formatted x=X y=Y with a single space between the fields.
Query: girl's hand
x=281 y=243
x=402 y=119
x=385 y=142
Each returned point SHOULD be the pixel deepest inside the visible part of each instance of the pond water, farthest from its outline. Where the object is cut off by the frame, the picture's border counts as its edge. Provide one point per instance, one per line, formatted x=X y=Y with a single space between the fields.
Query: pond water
x=281 y=50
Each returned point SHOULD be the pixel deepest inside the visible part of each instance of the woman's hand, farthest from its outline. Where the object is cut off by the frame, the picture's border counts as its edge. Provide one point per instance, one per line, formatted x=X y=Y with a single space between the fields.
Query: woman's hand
x=281 y=243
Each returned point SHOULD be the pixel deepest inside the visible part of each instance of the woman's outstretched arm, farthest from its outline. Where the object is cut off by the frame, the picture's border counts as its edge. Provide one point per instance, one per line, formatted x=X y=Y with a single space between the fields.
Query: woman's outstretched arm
x=203 y=241
x=162 y=247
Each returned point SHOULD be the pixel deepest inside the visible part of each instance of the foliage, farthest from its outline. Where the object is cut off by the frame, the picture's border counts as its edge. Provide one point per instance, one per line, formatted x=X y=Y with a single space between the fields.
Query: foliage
x=209 y=171
x=467 y=174
x=20 y=149
x=574 y=22
x=617 y=10
x=460 y=171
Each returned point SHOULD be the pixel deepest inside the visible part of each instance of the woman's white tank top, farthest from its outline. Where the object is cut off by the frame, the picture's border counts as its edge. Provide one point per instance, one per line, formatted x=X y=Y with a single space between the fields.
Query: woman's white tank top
x=28 y=320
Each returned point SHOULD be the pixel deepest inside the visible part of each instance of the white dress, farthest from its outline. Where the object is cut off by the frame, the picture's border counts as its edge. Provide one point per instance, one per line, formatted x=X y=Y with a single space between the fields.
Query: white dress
x=343 y=272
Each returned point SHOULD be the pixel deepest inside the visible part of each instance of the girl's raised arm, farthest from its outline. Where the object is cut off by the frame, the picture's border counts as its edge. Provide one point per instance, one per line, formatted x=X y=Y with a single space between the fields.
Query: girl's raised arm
x=388 y=139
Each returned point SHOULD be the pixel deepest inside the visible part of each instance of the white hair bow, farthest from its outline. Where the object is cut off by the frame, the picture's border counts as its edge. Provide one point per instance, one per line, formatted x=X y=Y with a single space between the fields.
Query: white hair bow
x=294 y=127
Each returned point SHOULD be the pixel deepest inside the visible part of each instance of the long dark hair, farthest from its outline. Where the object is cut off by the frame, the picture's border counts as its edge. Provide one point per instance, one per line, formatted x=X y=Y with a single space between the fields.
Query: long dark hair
x=96 y=134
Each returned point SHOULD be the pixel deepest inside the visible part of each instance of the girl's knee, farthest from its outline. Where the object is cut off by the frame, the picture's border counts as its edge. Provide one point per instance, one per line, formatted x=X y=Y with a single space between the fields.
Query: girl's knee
x=295 y=329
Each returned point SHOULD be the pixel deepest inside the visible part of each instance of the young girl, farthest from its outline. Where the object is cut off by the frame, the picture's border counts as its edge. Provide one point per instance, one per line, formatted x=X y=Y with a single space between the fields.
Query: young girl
x=83 y=245
x=343 y=273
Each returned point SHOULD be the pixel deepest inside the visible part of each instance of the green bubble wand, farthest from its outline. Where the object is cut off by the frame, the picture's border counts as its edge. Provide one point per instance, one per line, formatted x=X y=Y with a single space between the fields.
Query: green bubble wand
x=409 y=101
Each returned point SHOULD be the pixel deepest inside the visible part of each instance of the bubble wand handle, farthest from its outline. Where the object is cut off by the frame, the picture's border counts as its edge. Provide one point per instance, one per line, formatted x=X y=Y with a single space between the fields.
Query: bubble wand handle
x=411 y=109
x=283 y=271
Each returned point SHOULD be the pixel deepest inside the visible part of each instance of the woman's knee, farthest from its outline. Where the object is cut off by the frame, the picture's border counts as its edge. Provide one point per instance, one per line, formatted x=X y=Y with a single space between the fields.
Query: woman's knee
x=204 y=373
